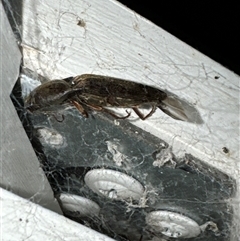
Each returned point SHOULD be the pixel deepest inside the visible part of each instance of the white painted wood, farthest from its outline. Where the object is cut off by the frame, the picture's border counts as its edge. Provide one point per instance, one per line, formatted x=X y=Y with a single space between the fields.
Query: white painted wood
x=20 y=171
x=32 y=222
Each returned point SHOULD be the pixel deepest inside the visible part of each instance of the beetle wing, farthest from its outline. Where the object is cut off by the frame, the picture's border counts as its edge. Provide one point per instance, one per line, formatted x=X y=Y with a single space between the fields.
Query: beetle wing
x=173 y=108
x=116 y=92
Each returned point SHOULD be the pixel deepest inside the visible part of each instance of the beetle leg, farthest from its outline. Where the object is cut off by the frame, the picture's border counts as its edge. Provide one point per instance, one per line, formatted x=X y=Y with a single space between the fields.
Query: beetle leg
x=58 y=119
x=98 y=108
x=141 y=116
x=80 y=108
x=94 y=107
x=115 y=116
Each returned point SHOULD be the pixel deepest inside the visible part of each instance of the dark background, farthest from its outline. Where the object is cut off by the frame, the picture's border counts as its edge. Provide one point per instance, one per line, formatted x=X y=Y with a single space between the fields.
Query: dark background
x=208 y=26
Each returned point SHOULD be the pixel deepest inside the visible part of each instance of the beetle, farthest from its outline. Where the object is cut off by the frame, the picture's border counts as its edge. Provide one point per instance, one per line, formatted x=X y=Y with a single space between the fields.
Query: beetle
x=96 y=92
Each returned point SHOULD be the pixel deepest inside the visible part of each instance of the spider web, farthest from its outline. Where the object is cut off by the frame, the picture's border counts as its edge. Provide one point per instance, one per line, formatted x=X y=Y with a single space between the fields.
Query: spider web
x=93 y=164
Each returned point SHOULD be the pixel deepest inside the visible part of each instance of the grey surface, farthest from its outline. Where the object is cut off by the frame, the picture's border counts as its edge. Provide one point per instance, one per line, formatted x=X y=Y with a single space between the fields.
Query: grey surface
x=20 y=170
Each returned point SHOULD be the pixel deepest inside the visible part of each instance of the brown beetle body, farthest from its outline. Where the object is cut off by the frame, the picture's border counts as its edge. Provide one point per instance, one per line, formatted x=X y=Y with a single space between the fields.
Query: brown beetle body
x=112 y=92
x=97 y=92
